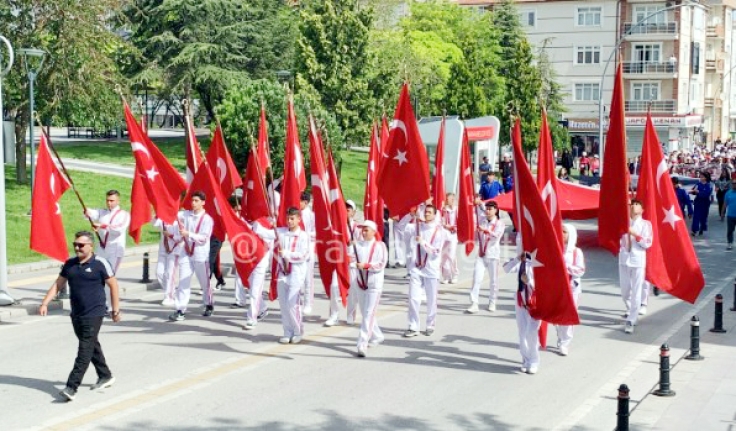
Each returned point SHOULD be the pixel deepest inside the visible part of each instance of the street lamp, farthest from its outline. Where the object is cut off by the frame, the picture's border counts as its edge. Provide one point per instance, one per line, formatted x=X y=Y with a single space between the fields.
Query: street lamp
x=670 y=6
x=32 y=62
x=284 y=76
x=5 y=298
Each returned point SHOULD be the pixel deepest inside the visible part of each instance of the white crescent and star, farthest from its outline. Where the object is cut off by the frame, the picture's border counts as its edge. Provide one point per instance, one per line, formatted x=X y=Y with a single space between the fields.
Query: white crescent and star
x=401 y=157
x=221 y=169
x=671 y=217
x=549 y=192
x=137 y=146
x=532 y=259
x=151 y=174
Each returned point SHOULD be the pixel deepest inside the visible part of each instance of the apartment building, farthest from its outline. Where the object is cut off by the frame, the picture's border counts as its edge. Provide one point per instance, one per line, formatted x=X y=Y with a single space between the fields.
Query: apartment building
x=675 y=59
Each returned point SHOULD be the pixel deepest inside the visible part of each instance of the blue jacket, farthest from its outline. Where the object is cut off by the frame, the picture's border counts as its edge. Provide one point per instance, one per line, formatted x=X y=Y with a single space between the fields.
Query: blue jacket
x=490 y=190
x=684 y=200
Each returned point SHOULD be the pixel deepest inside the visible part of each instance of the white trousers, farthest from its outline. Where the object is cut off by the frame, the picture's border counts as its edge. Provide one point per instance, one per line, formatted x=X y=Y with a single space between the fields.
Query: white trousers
x=565 y=332
x=166 y=267
x=645 y=291
x=256 y=282
x=528 y=337
x=399 y=247
x=369 y=329
x=479 y=271
x=187 y=269
x=115 y=258
x=240 y=295
x=309 y=281
x=632 y=282
x=289 y=301
x=417 y=285
x=448 y=262
x=336 y=299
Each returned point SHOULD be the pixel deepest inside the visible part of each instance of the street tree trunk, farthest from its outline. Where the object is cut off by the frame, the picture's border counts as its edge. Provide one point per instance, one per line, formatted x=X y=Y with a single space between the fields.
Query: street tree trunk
x=21 y=124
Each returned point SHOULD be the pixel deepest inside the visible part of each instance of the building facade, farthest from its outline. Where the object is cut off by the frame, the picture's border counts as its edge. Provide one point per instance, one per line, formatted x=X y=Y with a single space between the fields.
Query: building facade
x=676 y=60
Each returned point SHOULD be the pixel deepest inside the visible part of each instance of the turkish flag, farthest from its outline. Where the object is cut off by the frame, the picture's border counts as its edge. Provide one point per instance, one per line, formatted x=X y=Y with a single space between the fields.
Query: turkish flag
x=47 y=228
x=140 y=207
x=372 y=205
x=193 y=151
x=331 y=251
x=466 y=222
x=295 y=180
x=404 y=176
x=339 y=214
x=161 y=181
x=613 y=208
x=547 y=185
x=255 y=201
x=264 y=150
x=679 y=272
x=552 y=294
x=248 y=249
x=438 y=187
x=222 y=164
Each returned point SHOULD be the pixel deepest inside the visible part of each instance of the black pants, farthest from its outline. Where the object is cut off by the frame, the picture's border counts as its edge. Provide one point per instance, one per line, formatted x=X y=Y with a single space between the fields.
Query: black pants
x=215 y=246
x=730 y=226
x=86 y=329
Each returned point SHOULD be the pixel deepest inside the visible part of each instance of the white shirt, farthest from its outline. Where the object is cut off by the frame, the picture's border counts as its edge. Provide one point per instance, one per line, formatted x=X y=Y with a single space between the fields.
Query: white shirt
x=426 y=262
x=296 y=249
x=309 y=223
x=372 y=252
x=575 y=262
x=633 y=252
x=449 y=218
x=199 y=226
x=168 y=246
x=113 y=224
x=267 y=234
x=489 y=243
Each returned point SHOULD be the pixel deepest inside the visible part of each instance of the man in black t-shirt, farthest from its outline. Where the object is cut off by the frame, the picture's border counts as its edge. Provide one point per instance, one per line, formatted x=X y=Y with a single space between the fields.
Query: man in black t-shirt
x=87 y=275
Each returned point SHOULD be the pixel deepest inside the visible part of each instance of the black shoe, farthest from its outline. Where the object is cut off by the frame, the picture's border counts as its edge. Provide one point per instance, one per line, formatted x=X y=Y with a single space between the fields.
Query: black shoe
x=220 y=284
x=103 y=383
x=262 y=315
x=700 y=233
x=68 y=393
x=208 y=311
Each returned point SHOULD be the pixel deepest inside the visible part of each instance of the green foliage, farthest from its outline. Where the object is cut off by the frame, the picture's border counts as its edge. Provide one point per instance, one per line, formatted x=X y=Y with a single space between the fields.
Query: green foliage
x=333 y=57
x=240 y=111
x=77 y=80
x=207 y=46
x=523 y=92
x=551 y=94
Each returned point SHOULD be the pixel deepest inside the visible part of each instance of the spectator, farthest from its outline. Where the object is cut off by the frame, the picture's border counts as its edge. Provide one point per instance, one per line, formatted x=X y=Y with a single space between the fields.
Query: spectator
x=730 y=211
x=485 y=169
x=563 y=175
x=682 y=198
x=507 y=170
x=584 y=164
x=491 y=188
x=703 y=192
x=723 y=186
x=567 y=161
x=595 y=166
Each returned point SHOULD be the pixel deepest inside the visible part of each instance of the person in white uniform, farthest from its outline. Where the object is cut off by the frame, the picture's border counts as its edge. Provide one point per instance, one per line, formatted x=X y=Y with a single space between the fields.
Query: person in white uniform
x=257 y=308
x=449 y=248
x=488 y=236
x=424 y=270
x=575 y=263
x=632 y=261
x=168 y=258
x=528 y=327
x=403 y=227
x=354 y=234
x=195 y=229
x=309 y=227
x=111 y=225
x=292 y=250
x=367 y=282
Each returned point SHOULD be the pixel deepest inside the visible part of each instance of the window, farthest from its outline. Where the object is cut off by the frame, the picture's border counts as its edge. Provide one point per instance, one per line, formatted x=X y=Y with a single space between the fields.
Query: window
x=645 y=90
x=589 y=16
x=647 y=53
x=588 y=55
x=528 y=18
x=695 y=58
x=587 y=91
x=642 y=12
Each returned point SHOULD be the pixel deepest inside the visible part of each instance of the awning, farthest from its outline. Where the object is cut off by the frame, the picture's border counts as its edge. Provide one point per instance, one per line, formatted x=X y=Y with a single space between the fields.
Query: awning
x=576 y=202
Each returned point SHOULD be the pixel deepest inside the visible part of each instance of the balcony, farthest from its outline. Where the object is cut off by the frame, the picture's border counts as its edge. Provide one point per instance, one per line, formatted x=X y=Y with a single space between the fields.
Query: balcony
x=715 y=64
x=663 y=106
x=638 y=68
x=710 y=100
x=715 y=30
x=651 y=31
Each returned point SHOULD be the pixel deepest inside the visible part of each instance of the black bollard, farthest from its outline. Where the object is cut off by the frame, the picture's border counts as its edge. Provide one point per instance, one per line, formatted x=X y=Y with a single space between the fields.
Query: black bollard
x=622 y=422
x=734 y=296
x=145 y=278
x=664 y=373
x=718 y=324
x=694 y=340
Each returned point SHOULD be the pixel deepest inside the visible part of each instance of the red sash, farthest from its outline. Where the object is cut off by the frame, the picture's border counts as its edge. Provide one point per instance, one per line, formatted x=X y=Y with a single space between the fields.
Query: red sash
x=103 y=242
x=363 y=279
x=421 y=262
x=286 y=266
x=190 y=250
x=484 y=246
x=452 y=229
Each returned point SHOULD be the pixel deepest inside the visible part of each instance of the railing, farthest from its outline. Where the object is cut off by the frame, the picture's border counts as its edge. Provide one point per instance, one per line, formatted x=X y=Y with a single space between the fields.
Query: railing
x=715 y=30
x=710 y=64
x=643 y=105
x=650 y=28
x=646 y=67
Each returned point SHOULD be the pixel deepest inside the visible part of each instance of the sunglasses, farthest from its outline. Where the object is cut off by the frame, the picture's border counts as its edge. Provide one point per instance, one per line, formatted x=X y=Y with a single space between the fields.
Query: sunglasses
x=81 y=244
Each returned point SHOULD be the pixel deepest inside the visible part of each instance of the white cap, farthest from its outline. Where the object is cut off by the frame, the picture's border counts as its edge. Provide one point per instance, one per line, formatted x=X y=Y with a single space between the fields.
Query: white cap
x=371 y=224
x=351 y=204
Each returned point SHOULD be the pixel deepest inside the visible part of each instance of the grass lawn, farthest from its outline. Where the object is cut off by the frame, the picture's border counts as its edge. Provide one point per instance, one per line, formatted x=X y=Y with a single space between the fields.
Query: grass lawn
x=120 y=153
x=91 y=186
x=352 y=177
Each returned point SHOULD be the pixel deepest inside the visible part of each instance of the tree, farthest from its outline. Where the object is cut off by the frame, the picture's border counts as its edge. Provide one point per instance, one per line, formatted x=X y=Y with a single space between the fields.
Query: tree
x=76 y=83
x=333 y=57
x=524 y=92
x=240 y=111
x=551 y=95
x=207 y=46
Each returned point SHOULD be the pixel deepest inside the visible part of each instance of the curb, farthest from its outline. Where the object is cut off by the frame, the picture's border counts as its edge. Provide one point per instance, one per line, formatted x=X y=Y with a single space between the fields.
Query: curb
x=22 y=268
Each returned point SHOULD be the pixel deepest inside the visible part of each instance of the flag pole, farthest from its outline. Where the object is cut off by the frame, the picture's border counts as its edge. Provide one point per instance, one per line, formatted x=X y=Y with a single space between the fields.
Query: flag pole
x=69 y=178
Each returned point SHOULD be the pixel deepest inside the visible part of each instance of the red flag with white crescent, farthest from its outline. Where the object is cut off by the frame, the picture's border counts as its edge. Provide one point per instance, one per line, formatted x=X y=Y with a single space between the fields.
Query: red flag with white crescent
x=372 y=205
x=438 y=186
x=255 y=201
x=295 y=180
x=264 y=150
x=222 y=164
x=466 y=222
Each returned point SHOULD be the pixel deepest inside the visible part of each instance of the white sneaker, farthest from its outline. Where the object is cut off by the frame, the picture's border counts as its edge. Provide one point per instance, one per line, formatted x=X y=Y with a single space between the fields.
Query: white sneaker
x=491 y=306
x=375 y=343
x=284 y=340
x=533 y=370
x=523 y=369
x=453 y=281
x=563 y=351
x=361 y=352
x=296 y=339
x=472 y=309
x=629 y=328
x=167 y=301
x=307 y=309
x=443 y=281
x=350 y=322
x=250 y=324
x=332 y=321
x=642 y=310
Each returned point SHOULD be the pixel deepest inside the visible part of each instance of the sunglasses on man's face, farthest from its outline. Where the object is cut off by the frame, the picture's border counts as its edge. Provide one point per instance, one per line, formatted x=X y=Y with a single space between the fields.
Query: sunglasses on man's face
x=81 y=244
